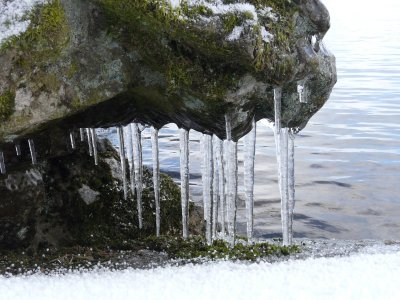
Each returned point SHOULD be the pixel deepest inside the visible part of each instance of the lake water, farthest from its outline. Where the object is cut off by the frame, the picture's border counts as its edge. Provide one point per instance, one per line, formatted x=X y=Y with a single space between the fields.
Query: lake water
x=348 y=157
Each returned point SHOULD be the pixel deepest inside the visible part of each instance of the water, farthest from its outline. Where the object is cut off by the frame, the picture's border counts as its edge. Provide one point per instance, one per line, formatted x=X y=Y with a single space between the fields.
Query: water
x=348 y=157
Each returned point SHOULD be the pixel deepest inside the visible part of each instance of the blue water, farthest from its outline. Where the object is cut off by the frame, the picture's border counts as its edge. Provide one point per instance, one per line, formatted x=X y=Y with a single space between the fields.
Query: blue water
x=348 y=157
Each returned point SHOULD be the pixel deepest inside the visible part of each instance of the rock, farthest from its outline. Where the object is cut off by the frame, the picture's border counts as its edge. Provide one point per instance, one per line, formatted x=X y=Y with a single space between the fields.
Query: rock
x=98 y=63
x=67 y=201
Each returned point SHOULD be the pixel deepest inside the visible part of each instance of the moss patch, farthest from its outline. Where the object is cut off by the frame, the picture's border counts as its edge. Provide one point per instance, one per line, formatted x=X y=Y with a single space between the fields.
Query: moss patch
x=7 y=103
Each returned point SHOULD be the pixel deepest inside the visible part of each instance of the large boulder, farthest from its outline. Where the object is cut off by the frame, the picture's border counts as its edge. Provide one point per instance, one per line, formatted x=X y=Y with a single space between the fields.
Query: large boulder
x=97 y=63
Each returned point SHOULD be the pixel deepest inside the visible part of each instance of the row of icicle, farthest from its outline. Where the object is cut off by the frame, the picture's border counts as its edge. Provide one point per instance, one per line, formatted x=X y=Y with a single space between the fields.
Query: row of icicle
x=219 y=173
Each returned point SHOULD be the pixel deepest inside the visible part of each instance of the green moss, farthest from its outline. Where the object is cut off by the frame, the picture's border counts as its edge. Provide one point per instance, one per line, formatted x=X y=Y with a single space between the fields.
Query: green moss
x=196 y=247
x=7 y=103
x=46 y=35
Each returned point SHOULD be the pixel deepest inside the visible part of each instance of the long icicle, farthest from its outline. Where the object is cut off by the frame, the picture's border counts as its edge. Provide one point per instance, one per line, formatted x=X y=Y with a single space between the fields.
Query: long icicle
x=221 y=173
x=72 y=139
x=32 y=151
x=232 y=180
x=82 y=134
x=291 y=182
x=156 y=176
x=123 y=160
x=89 y=141
x=184 y=170
x=93 y=136
x=129 y=155
x=216 y=185
x=18 y=149
x=208 y=175
x=203 y=174
x=2 y=163
x=250 y=150
x=281 y=142
x=137 y=148
x=285 y=185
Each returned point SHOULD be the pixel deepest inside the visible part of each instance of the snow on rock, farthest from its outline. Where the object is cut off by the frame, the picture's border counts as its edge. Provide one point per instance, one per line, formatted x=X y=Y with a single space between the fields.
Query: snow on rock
x=12 y=14
x=361 y=276
x=235 y=35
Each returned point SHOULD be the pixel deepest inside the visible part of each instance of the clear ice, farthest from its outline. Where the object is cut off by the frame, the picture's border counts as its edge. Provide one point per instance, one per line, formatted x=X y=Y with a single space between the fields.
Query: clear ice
x=32 y=151
x=2 y=164
x=138 y=162
x=89 y=141
x=72 y=138
x=220 y=169
x=184 y=170
x=207 y=176
x=249 y=148
x=291 y=182
x=281 y=141
x=216 y=185
x=156 y=176
x=231 y=181
x=93 y=137
x=18 y=149
x=129 y=154
x=82 y=133
x=123 y=160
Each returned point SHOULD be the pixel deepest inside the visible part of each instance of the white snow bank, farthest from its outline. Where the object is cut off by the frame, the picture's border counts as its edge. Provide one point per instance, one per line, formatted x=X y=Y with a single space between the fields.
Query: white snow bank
x=362 y=276
x=11 y=14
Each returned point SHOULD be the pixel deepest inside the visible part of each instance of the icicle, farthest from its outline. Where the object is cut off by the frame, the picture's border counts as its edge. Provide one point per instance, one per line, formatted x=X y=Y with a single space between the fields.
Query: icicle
x=129 y=154
x=123 y=160
x=250 y=148
x=156 y=176
x=89 y=141
x=281 y=141
x=207 y=177
x=2 y=164
x=219 y=158
x=137 y=148
x=302 y=91
x=72 y=139
x=184 y=166
x=32 y=150
x=232 y=180
x=82 y=133
x=284 y=186
x=291 y=182
x=216 y=185
x=18 y=149
x=94 y=145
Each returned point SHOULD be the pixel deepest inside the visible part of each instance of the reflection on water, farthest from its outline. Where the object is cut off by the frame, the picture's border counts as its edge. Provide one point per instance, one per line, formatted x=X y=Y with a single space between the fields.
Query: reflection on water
x=348 y=157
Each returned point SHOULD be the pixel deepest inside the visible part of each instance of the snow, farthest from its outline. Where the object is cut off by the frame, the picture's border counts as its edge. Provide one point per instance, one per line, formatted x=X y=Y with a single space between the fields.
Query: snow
x=11 y=16
x=236 y=33
x=361 y=276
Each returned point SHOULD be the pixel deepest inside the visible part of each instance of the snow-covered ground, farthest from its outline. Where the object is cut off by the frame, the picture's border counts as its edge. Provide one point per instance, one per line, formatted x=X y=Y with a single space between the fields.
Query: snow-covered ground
x=372 y=274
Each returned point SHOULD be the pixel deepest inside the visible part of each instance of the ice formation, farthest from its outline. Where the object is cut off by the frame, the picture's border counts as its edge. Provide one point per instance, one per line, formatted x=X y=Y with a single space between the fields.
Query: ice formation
x=93 y=138
x=2 y=164
x=231 y=180
x=138 y=164
x=120 y=130
x=207 y=175
x=156 y=176
x=32 y=151
x=250 y=151
x=184 y=170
